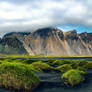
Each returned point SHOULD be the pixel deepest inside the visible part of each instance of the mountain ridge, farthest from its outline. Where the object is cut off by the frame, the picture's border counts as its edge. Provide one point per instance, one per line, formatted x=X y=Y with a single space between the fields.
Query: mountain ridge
x=49 y=41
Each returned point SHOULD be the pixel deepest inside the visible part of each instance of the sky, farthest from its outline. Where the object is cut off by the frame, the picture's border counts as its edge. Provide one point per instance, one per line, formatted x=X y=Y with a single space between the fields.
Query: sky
x=77 y=27
x=28 y=15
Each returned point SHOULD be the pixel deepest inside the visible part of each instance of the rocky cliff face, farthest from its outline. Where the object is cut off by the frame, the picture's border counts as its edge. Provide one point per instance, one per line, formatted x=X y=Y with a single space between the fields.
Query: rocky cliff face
x=48 y=41
x=11 y=44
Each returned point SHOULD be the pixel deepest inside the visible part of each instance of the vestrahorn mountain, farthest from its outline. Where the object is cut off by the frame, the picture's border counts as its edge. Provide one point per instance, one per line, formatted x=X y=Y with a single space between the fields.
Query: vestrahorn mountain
x=47 y=41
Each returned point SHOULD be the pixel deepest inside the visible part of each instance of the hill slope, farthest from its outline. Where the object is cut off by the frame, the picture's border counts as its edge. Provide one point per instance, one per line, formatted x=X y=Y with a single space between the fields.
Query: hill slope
x=48 y=41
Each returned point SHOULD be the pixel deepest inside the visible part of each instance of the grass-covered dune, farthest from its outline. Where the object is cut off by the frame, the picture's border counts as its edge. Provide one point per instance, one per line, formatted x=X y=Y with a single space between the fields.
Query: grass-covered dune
x=64 y=68
x=17 y=76
x=73 y=77
x=41 y=67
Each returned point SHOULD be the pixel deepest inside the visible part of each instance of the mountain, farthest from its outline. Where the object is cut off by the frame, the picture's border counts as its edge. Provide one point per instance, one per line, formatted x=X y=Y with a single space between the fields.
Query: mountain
x=11 y=44
x=47 y=41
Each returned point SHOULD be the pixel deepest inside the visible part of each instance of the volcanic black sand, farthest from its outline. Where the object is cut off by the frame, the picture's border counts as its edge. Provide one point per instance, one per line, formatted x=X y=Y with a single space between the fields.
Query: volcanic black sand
x=57 y=58
x=52 y=83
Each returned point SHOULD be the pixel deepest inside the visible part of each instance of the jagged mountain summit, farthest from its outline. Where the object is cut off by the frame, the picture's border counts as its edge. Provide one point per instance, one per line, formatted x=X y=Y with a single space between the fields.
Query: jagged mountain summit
x=47 y=41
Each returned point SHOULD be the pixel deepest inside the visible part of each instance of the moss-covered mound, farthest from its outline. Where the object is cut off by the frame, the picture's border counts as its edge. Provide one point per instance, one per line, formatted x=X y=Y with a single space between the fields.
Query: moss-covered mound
x=17 y=76
x=64 y=68
x=88 y=65
x=59 y=62
x=73 y=77
x=40 y=66
x=81 y=68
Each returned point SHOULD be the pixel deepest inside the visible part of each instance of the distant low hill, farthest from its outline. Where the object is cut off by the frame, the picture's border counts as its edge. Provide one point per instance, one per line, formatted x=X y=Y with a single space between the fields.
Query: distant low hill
x=47 y=41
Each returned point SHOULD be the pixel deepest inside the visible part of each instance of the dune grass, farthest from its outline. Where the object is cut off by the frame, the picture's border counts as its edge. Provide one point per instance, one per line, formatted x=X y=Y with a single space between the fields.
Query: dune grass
x=88 y=65
x=64 y=68
x=73 y=77
x=59 y=62
x=40 y=66
x=19 y=73
x=17 y=76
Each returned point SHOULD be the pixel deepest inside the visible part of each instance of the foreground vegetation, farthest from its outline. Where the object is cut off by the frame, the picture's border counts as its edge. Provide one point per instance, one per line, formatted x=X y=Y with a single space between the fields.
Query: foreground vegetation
x=41 y=55
x=73 y=77
x=19 y=74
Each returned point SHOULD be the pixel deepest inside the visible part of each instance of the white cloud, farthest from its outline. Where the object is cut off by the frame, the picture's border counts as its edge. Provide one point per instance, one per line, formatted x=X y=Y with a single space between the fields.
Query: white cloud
x=15 y=15
x=11 y=11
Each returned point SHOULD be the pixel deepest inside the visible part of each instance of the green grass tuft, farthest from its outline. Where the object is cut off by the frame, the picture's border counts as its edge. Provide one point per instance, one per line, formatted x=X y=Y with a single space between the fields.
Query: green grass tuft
x=73 y=77
x=64 y=68
x=40 y=66
x=18 y=76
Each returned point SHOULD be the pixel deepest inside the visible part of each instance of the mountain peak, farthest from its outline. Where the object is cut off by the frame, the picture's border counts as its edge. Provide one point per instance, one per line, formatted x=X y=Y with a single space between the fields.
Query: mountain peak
x=45 y=32
x=48 y=41
x=16 y=33
x=74 y=31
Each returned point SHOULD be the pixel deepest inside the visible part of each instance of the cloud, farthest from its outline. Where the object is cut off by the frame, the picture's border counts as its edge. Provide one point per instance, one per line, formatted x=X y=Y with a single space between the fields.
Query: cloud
x=21 y=15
